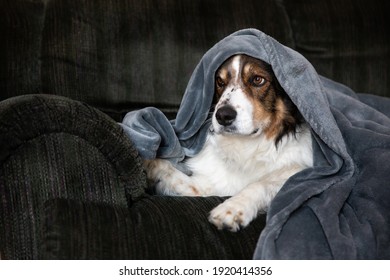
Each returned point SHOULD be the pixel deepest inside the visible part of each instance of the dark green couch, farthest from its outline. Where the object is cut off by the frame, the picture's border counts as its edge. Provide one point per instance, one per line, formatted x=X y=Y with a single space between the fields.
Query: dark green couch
x=71 y=183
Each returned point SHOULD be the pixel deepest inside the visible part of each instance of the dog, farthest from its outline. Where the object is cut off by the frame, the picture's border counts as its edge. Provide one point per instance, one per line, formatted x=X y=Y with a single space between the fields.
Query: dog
x=257 y=140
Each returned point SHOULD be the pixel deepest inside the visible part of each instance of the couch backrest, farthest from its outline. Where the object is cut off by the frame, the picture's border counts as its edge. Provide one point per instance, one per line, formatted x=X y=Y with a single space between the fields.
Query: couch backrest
x=126 y=54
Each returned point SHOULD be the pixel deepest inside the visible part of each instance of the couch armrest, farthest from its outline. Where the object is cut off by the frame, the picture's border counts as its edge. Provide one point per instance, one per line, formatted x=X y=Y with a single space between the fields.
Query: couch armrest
x=54 y=147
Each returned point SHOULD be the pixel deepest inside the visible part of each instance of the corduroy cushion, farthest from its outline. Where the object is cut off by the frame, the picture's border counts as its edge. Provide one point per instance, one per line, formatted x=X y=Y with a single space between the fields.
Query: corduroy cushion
x=55 y=147
x=157 y=227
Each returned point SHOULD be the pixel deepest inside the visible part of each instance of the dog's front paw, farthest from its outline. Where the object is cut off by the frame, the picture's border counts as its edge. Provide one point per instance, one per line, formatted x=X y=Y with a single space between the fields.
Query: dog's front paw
x=167 y=180
x=232 y=215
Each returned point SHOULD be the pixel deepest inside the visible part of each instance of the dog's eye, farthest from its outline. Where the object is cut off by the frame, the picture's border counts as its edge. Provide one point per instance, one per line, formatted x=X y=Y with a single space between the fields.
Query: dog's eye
x=258 y=81
x=219 y=82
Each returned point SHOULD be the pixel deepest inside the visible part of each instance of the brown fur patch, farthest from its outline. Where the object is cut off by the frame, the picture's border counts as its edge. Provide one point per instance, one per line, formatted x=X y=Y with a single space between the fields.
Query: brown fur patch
x=276 y=123
x=195 y=190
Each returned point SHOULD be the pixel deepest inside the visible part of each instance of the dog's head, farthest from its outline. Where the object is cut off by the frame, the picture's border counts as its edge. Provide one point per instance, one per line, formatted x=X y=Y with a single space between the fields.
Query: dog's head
x=250 y=101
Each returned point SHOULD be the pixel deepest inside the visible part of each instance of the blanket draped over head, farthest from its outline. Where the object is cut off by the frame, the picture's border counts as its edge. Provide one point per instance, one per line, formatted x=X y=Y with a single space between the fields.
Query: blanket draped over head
x=340 y=208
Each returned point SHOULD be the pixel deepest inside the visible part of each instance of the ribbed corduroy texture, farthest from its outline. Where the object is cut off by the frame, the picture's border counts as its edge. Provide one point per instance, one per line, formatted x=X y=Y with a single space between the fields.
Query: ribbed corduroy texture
x=118 y=55
x=154 y=228
x=52 y=147
x=122 y=55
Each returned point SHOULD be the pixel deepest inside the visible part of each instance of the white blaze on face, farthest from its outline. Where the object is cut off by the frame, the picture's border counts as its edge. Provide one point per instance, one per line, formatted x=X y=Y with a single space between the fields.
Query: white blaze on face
x=235 y=97
x=236 y=66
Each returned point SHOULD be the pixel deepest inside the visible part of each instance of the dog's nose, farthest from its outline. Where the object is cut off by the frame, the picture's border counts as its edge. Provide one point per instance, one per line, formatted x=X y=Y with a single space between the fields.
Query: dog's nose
x=226 y=115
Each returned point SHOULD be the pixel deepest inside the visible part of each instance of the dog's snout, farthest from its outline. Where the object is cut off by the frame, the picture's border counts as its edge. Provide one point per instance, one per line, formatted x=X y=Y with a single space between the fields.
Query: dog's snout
x=226 y=115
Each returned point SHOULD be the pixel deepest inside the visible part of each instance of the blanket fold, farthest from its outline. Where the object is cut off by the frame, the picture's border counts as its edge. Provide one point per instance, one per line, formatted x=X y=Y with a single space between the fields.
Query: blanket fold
x=340 y=208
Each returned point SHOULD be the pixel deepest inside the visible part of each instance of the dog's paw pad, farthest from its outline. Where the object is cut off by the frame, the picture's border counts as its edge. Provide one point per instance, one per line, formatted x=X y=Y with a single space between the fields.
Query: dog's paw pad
x=230 y=215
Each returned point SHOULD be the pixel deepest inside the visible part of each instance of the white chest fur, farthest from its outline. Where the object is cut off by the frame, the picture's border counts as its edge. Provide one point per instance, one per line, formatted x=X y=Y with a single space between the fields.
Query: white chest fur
x=227 y=164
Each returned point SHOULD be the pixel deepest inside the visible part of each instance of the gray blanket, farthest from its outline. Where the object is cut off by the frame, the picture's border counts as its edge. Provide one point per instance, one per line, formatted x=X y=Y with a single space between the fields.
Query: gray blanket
x=340 y=208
